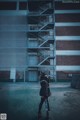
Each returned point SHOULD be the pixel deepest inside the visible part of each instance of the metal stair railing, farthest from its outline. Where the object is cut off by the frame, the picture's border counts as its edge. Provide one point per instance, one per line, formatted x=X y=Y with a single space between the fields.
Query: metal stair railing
x=39 y=27
x=42 y=40
x=44 y=11
x=44 y=8
x=45 y=59
x=33 y=26
x=45 y=39
x=43 y=26
x=43 y=43
x=40 y=12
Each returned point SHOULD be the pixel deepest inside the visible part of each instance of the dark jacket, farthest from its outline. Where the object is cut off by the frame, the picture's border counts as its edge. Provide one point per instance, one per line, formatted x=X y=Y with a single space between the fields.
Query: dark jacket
x=44 y=90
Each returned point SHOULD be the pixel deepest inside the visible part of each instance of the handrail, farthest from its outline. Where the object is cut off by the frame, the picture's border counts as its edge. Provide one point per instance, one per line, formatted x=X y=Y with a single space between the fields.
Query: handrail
x=45 y=59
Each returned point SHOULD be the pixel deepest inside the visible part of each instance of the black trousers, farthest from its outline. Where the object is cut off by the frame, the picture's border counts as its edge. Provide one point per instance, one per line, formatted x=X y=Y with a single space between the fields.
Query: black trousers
x=44 y=99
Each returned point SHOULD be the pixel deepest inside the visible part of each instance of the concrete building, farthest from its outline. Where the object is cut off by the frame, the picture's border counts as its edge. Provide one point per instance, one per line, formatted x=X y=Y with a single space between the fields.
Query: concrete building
x=27 y=39
x=39 y=35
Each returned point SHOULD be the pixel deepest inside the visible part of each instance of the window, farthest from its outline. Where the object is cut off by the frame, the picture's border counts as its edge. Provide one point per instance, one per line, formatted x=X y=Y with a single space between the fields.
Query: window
x=7 y=5
x=23 y=6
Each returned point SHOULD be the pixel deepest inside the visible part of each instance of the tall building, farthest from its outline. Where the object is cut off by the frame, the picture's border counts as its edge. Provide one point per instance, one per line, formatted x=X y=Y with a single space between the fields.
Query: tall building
x=67 y=26
x=39 y=35
x=27 y=45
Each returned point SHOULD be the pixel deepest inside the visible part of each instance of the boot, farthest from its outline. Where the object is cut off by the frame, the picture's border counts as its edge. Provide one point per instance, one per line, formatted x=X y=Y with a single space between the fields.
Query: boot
x=47 y=115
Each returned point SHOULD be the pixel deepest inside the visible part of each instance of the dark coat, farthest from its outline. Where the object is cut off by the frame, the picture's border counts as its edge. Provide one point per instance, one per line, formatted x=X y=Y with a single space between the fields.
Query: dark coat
x=44 y=90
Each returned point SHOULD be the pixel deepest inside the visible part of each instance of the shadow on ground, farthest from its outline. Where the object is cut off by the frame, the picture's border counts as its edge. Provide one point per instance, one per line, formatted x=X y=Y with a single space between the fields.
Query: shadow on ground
x=20 y=101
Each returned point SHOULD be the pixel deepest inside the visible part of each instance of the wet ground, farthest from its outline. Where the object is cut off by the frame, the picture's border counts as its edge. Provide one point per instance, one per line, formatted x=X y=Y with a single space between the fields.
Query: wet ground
x=20 y=101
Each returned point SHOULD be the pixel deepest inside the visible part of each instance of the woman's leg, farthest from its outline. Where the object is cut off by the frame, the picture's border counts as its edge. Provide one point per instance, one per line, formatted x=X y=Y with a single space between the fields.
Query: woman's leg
x=41 y=103
x=48 y=107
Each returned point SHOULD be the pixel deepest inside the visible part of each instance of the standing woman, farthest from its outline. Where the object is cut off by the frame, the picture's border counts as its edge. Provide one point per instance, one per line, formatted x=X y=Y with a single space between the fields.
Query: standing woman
x=44 y=93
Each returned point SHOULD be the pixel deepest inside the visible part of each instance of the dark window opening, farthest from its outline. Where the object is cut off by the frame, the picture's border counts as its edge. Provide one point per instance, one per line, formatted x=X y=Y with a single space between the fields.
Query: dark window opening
x=8 y=5
x=23 y=6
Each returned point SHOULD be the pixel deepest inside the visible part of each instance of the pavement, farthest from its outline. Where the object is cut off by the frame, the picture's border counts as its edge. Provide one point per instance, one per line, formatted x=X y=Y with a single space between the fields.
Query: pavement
x=21 y=101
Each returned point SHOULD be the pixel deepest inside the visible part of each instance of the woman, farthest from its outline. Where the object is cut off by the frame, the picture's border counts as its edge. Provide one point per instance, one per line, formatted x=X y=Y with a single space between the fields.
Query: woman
x=44 y=93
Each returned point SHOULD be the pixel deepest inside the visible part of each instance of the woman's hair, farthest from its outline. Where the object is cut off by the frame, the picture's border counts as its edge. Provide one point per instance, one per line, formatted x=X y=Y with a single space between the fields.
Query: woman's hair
x=42 y=76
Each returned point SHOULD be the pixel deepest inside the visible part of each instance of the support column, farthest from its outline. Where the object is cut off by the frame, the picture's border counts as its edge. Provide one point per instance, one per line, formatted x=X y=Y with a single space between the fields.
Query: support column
x=17 y=5
x=13 y=74
x=24 y=75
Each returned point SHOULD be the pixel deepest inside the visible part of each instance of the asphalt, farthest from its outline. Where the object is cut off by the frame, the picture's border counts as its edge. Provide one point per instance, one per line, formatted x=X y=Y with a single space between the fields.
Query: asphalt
x=20 y=101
